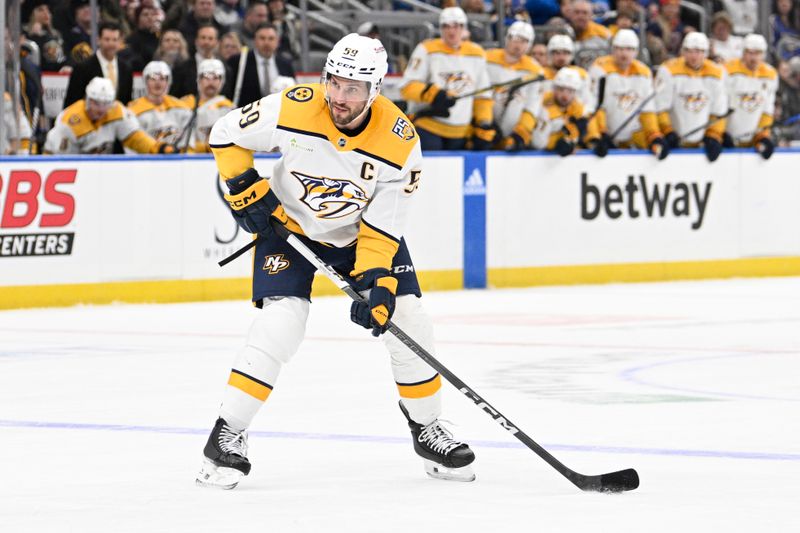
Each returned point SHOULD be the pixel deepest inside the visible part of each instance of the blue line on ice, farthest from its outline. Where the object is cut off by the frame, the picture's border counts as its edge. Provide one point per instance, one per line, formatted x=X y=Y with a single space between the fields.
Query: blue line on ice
x=721 y=454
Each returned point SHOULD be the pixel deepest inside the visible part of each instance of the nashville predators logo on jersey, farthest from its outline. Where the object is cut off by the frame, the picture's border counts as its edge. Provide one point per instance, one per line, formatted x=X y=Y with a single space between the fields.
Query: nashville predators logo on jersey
x=456 y=82
x=275 y=263
x=329 y=197
x=626 y=101
x=694 y=102
x=300 y=94
x=750 y=102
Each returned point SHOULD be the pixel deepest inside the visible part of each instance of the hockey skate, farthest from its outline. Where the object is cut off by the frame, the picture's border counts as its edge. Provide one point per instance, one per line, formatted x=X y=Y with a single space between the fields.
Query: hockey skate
x=225 y=460
x=444 y=457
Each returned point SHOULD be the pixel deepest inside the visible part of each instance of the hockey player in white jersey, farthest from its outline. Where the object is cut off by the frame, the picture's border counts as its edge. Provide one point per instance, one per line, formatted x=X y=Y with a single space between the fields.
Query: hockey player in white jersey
x=163 y=116
x=93 y=124
x=628 y=87
x=16 y=136
x=350 y=165
x=439 y=71
x=751 y=85
x=209 y=106
x=690 y=93
x=560 y=53
x=515 y=107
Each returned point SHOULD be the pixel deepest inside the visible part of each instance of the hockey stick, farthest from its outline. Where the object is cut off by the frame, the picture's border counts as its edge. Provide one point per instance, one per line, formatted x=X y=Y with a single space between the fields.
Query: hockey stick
x=706 y=125
x=632 y=116
x=187 y=131
x=512 y=85
x=622 y=480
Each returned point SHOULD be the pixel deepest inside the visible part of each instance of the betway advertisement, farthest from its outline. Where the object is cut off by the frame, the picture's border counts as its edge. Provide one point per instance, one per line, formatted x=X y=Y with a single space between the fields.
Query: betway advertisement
x=578 y=210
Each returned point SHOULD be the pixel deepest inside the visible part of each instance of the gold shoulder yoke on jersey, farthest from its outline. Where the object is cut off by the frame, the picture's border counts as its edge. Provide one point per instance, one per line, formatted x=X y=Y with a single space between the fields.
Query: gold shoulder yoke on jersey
x=79 y=122
x=468 y=48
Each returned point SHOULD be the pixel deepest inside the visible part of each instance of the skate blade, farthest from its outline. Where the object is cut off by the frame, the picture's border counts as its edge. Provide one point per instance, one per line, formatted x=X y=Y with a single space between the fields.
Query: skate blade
x=217 y=477
x=437 y=471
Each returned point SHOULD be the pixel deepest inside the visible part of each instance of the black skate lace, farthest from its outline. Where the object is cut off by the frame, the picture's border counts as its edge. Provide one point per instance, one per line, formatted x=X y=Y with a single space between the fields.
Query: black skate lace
x=232 y=441
x=438 y=438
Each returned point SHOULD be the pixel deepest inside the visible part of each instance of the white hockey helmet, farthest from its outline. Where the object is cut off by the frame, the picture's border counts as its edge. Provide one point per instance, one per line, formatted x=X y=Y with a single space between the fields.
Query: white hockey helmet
x=567 y=78
x=755 y=42
x=560 y=42
x=101 y=90
x=625 y=39
x=452 y=15
x=360 y=58
x=213 y=67
x=521 y=30
x=695 y=41
x=157 y=68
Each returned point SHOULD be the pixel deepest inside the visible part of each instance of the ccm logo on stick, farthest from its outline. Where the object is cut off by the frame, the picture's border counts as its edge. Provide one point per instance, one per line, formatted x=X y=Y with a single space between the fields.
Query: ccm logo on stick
x=33 y=203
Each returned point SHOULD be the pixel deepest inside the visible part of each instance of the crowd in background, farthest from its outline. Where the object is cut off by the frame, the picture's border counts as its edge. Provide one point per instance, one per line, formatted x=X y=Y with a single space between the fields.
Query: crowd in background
x=173 y=38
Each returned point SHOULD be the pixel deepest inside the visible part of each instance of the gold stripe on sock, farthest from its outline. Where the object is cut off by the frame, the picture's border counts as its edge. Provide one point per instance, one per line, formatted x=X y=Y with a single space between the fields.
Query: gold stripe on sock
x=423 y=389
x=250 y=385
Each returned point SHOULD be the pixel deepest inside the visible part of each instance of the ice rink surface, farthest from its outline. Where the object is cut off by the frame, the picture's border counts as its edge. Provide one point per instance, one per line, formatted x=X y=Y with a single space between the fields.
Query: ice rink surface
x=104 y=411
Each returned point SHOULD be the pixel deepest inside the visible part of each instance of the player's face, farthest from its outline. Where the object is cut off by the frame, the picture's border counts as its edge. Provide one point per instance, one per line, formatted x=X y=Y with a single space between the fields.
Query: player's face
x=752 y=58
x=539 y=53
x=156 y=85
x=624 y=56
x=560 y=58
x=346 y=99
x=452 y=34
x=209 y=85
x=563 y=95
x=516 y=47
x=96 y=109
x=694 y=57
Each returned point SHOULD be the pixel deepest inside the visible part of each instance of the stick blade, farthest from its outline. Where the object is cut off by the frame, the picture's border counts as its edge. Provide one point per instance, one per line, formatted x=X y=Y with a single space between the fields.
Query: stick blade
x=620 y=481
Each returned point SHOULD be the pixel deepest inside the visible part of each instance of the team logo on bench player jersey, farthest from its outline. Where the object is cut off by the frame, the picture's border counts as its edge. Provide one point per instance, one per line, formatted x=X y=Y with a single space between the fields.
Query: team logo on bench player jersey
x=330 y=197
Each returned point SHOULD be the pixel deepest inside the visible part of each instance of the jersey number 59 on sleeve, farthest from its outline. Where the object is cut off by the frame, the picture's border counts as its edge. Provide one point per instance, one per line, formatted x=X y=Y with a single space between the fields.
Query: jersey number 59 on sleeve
x=249 y=115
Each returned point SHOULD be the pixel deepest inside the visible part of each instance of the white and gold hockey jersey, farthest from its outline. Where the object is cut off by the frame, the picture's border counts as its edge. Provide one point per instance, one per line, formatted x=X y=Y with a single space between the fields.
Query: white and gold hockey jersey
x=624 y=93
x=14 y=141
x=336 y=188
x=517 y=113
x=687 y=98
x=164 y=122
x=208 y=112
x=435 y=66
x=554 y=122
x=75 y=133
x=585 y=93
x=751 y=95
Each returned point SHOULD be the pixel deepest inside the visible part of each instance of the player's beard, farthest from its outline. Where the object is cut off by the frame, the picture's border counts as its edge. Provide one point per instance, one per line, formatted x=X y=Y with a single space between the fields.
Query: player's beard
x=342 y=119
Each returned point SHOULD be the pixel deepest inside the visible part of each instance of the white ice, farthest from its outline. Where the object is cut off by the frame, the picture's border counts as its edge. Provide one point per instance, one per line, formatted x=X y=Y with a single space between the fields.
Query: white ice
x=104 y=411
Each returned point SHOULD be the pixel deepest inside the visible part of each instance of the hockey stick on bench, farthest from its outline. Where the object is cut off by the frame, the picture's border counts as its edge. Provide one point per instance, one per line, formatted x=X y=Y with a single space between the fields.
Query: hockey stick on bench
x=622 y=480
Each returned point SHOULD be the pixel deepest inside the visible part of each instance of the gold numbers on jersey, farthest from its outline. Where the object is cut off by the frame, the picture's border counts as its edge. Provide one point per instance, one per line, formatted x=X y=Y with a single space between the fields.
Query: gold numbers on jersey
x=249 y=114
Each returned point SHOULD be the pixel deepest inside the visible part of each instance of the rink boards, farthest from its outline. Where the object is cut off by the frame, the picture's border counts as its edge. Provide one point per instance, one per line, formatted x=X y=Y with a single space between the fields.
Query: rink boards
x=136 y=229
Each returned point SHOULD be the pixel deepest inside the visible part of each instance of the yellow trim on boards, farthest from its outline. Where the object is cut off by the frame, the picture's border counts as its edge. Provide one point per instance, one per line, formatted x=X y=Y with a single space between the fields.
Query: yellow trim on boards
x=643 y=272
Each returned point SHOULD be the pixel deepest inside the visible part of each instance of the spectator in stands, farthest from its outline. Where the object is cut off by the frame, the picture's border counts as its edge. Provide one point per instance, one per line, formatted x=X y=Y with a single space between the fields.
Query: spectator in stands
x=109 y=122
x=256 y=72
x=143 y=42
x=751 y=85
x=202 y=13
x=743 y=13
x=438 y=72
x=668 y=26
x=39 y=29
x=162 y=116
x=542 y=10
x=173 y=48
x=228 y=13
x=185 y=73
x=77 y=42
x=255 y=15
x=789 y=97
x=539 y=53
x=588 y=34
x=288 y=30
x=229 y=46
x=784 y=23
x=561 y=123
x=725 y=45
x=106 y=63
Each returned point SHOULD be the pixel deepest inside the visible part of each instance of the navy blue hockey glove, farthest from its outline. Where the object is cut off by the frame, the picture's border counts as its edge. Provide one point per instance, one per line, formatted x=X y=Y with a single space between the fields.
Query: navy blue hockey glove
x=660 y=148
x=253 y=203
x=672 y=140
x=375 y=313
x=712 y=147
x=601 y=146
x=564 y=147
x=514 y=143
x=765 y=147
x=442 y=103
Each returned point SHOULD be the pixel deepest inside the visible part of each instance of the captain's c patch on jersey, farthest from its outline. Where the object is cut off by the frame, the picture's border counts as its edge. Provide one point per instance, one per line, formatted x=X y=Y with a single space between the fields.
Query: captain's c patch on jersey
x=330 y=197
x=300 y=94
x=403 y=129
